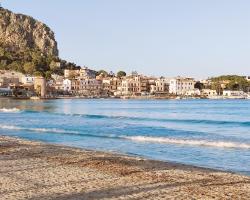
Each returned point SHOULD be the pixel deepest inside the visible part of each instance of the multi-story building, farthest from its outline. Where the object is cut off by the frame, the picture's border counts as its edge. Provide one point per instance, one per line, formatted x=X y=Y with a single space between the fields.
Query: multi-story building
x=161 y=86
x=89 y=87
x=180 y=85
x=8 y=78
x=87 y=73
x=111 y=85
x=134 y=85
x=209 y=92
x=57 y=82
x=83 y=73
x=67 y=85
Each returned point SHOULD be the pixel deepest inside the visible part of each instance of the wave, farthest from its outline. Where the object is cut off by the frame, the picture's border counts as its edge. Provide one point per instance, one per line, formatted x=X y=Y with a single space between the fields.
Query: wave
x=117 y=117
x=192 y=121
x=10 y=110
x=55 y=130
x=220 y=144
x=166 y=140
x=45 y=130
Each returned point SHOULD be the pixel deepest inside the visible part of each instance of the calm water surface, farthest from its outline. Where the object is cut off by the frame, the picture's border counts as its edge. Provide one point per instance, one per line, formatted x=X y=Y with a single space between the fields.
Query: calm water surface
x=208 y=133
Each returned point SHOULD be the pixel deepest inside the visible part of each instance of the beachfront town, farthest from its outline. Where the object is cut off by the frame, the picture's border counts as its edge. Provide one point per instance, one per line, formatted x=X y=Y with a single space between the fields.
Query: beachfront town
x=87 y=83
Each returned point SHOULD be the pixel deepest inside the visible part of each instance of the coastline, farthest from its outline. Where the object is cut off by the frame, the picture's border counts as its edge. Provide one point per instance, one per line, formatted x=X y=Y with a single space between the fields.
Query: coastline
x=36 y=170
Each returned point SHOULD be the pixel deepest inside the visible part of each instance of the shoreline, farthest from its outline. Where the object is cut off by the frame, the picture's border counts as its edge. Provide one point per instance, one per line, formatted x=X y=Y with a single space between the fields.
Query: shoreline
x=39 y=170
x=125 y=98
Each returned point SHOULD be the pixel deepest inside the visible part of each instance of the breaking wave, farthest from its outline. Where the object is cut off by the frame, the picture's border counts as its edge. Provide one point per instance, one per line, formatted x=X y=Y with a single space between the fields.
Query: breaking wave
x=45 y=130
x=220 y=144
x=9 y=110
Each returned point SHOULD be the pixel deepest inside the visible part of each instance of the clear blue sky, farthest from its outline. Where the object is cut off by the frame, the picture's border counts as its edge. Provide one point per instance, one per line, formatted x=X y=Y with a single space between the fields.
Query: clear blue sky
x=196 y=38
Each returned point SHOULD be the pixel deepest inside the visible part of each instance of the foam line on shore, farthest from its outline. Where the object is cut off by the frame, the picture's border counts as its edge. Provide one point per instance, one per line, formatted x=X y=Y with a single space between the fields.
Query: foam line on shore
x=10 y=110
x=45 y=130
x=218 y=144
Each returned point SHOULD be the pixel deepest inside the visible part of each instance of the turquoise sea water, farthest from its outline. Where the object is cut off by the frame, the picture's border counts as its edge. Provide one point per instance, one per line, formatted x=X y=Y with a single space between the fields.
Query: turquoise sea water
x=208 y=133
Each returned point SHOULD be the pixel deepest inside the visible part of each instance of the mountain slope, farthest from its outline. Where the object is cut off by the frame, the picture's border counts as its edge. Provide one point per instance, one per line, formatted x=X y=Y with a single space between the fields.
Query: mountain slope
x=21 y=32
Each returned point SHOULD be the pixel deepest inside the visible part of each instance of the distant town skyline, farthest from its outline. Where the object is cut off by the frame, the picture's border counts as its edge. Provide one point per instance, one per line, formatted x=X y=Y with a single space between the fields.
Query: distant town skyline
x=188 y=38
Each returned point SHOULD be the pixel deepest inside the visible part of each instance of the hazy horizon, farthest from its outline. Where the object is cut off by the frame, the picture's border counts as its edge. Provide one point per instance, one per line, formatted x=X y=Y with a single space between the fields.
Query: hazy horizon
x=188 y=38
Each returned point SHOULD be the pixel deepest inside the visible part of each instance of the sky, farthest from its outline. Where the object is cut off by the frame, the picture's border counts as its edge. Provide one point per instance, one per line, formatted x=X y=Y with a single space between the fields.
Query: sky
x=195 y=38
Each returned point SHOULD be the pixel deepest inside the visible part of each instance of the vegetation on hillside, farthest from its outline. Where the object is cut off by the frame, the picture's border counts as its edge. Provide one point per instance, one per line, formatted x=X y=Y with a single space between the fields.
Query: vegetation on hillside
x=231 y=82
x=32 y=61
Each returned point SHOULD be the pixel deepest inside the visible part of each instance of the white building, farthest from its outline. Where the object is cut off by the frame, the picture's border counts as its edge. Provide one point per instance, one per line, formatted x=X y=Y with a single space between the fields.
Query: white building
x=209 y=92
x=193 y=92
x=28 y=80
x=181 y=85
x=67 y=85
x=231 y=93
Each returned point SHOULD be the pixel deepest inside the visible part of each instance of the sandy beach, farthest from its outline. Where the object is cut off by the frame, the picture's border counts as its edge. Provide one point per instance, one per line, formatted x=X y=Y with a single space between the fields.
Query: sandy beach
x=34 y=170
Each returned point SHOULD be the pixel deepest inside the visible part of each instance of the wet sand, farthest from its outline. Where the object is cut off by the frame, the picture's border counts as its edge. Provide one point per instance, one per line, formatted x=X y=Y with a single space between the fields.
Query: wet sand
x=34 y=170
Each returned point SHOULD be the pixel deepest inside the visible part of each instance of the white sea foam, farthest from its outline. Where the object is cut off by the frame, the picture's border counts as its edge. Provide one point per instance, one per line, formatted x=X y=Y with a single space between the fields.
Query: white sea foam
x=9 y=110
x=43 y=130
x=219 y=144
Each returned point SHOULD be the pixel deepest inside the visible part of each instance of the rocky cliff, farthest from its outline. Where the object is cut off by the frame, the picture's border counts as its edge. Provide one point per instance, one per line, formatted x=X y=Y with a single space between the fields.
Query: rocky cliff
x=21 y=32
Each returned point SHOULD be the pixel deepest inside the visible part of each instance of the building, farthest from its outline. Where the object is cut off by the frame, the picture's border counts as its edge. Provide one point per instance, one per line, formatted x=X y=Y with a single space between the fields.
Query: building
x=28 y=80
x=67 y=85
x=194 y=92
x=40 y=86
x=180 y=85
x=134 y=85
x=231 y=93
x=57 y=82
x=89 y=87
x=208 y=92
x=111 y=85
x=8 y=78
x=83 y=73
x=161 y=86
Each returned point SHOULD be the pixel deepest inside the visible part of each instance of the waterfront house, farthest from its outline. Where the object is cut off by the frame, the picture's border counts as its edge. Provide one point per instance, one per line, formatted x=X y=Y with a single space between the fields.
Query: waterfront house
x=194 y=92
x=134 y=85
x=180 y=85
x=67 y=85
x=89 y=87
x=8 y=78
x=111 y=85
x=209 y=92
x=232 y=93
x=28 y=80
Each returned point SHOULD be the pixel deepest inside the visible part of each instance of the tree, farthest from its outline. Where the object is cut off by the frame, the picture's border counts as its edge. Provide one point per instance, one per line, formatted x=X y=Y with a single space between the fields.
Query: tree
x=48 y=74
x=121 y=74
x=102 y=72
x=199 y=85
x=37 y=73
x=29 y=68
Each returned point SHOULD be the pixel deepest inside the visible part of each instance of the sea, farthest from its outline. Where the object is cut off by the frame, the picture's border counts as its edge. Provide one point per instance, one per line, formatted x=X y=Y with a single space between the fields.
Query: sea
x=207 y=133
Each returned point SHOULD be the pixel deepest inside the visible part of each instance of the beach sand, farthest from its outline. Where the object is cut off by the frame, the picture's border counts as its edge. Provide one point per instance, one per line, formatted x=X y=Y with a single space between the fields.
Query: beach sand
x=34 y=170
